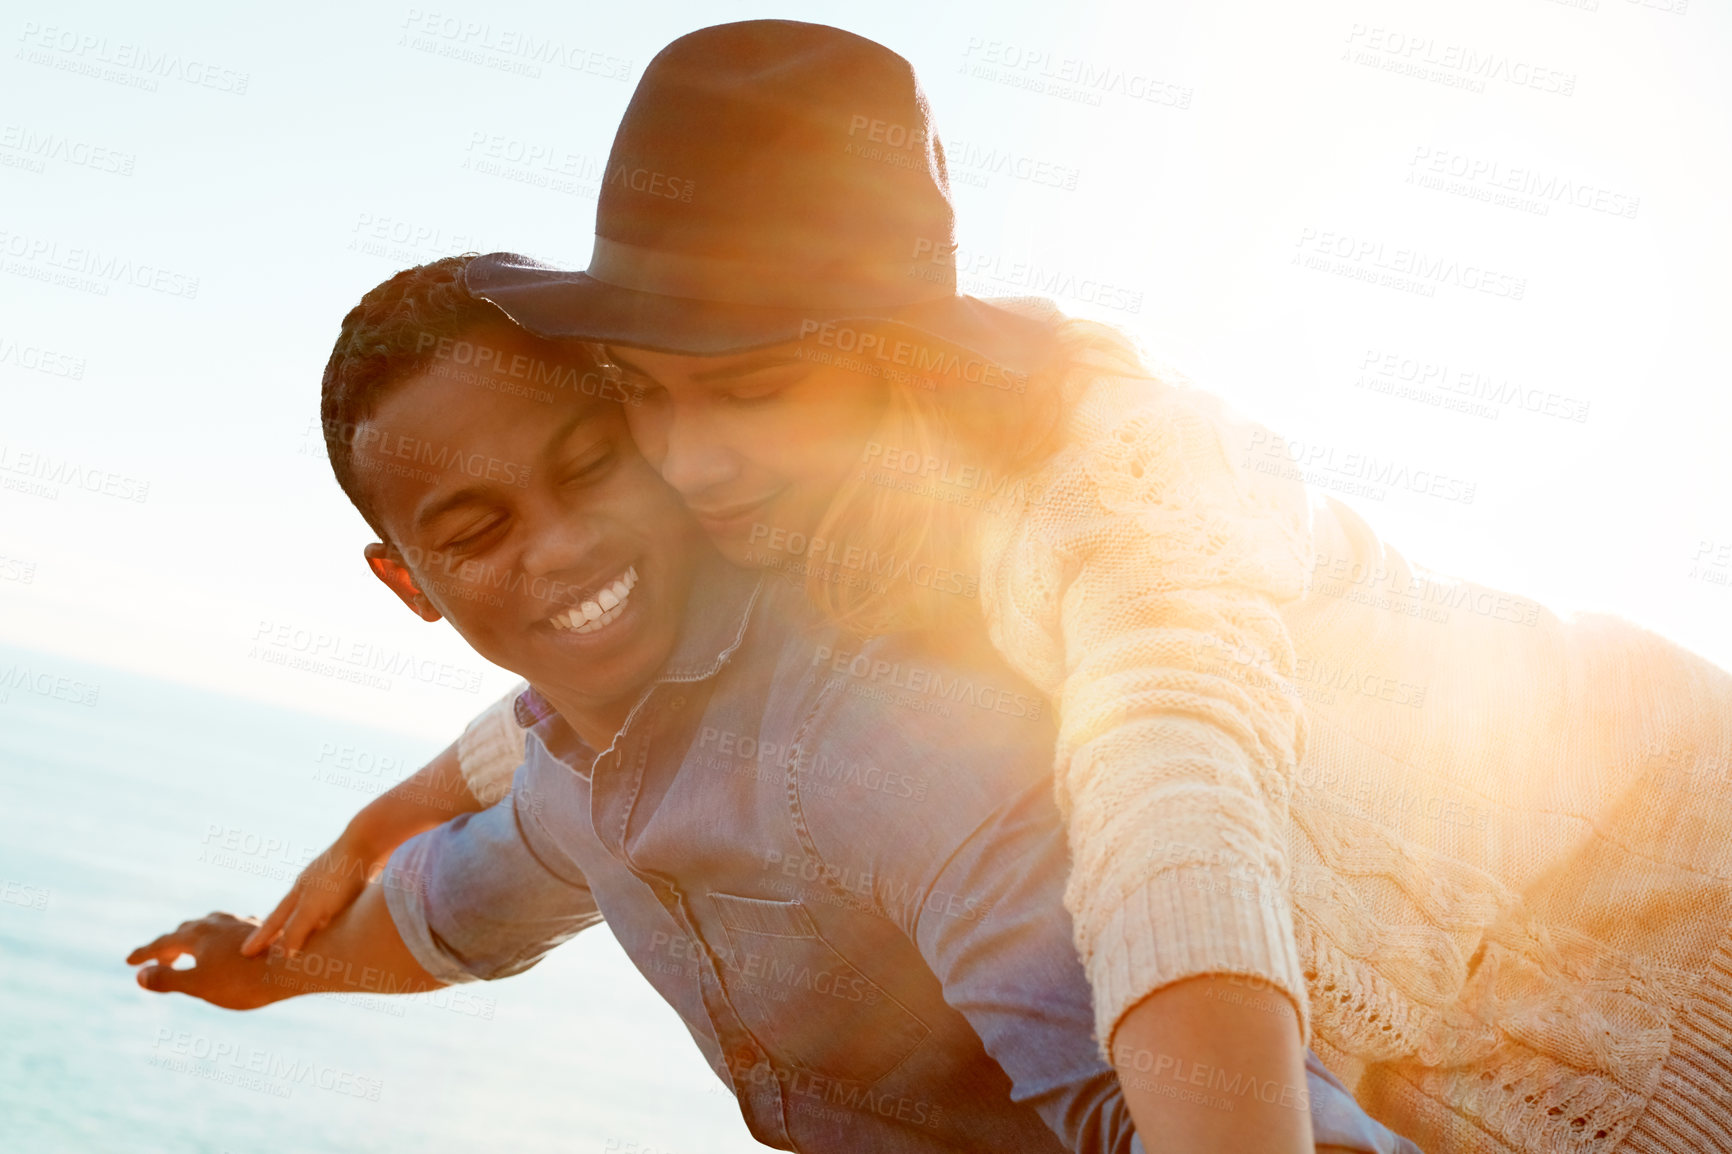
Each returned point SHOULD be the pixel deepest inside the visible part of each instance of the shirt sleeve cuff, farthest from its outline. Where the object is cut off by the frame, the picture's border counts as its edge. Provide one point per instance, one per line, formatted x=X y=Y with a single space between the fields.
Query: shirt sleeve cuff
x=1187 y=922
x=491 y=749
x=405 y=881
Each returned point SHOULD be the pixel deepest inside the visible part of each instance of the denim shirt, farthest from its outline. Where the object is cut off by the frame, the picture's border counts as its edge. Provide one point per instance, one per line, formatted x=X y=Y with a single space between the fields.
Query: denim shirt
x=840 y=862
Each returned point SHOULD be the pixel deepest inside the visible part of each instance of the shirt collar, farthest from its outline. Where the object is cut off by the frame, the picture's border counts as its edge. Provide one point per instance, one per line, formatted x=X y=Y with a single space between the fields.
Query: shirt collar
x=718 y=610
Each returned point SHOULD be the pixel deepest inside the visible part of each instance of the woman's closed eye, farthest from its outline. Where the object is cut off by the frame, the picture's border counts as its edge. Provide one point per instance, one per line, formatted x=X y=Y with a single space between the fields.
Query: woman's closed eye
x=750 y=398
x=764 y=386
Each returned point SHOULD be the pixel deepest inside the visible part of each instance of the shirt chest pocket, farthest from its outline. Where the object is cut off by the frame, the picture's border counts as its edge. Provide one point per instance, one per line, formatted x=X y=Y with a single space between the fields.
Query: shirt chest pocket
x=804 y=1001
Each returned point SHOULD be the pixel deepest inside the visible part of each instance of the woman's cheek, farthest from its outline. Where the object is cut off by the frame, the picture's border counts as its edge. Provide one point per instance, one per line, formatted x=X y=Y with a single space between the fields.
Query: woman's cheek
x=648 y=426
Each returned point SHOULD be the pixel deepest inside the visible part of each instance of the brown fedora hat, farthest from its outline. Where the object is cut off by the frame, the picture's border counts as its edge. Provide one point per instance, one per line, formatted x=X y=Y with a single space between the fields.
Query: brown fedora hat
x=768 y=177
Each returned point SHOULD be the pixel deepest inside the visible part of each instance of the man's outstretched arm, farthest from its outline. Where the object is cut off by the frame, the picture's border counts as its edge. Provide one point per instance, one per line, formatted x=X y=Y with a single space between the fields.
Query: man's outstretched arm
x=464 y=901
x=359 y=951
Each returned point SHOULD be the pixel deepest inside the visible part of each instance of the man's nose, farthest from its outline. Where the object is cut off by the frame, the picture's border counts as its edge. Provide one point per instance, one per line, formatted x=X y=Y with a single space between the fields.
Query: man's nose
x=559 y=539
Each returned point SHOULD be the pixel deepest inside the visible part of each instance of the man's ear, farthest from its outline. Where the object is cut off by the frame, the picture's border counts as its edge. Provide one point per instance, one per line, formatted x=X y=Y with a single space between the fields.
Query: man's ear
x=388 y=567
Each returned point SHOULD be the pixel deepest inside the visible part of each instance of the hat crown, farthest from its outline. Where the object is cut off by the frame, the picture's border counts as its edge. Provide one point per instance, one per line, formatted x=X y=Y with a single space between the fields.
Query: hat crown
x=799 y=150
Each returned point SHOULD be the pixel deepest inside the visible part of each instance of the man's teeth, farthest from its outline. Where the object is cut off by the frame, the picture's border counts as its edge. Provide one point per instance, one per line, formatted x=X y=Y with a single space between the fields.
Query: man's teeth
x=602 y=610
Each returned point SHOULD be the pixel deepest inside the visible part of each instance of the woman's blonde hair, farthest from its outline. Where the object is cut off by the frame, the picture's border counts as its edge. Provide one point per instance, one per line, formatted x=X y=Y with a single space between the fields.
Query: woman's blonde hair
x=898 y=550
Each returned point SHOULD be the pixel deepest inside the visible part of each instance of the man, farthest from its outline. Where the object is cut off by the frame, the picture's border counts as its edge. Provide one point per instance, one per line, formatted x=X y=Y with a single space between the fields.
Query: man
x=854 y=905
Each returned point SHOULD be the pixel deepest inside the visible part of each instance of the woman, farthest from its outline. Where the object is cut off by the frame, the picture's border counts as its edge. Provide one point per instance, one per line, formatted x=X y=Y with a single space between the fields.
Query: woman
x=1444 y=824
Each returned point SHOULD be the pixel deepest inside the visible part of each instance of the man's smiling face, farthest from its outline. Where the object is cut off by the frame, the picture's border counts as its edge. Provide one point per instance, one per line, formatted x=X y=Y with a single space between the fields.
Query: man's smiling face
x=536 y=528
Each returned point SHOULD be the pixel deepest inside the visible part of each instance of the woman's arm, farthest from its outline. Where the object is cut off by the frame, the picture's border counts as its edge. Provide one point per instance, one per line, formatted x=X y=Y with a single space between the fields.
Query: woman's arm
x=431 y=796
x=468 y=775
x=1186 y=1055
x=1151 y=573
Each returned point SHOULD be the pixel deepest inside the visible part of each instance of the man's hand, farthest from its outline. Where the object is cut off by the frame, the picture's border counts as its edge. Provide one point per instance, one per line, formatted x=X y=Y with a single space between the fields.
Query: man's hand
x=222 y=976
x=359 y=952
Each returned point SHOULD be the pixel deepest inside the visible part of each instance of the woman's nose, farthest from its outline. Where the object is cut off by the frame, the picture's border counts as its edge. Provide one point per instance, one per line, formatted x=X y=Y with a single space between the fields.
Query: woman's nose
x=694 y=459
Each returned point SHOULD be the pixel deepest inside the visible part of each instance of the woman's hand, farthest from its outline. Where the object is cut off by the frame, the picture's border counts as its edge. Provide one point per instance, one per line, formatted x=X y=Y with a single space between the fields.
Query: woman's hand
x=325 y=888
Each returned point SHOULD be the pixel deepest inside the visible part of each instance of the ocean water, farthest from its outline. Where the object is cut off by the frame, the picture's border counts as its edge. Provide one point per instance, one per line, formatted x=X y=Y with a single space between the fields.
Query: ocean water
x=158 y=803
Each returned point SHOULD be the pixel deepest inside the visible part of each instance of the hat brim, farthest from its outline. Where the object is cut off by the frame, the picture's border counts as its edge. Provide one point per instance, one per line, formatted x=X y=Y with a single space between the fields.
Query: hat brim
x=561 y=304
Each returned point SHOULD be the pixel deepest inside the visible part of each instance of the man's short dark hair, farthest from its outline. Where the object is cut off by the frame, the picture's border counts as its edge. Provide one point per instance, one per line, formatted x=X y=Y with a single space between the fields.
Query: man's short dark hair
x=399 y=328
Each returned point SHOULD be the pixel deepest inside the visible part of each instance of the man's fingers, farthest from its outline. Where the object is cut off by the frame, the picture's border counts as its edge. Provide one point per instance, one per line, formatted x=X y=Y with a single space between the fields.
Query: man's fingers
x=267 y=931
x=164 y=949
x=163 y=979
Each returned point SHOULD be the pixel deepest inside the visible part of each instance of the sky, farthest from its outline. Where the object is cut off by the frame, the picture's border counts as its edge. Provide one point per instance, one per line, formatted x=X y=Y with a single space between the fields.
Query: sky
x=1484 y=242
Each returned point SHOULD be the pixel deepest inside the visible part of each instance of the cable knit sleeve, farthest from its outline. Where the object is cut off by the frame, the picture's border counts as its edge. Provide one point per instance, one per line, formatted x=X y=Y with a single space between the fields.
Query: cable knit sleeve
x=1138 y=581
x=491 y=748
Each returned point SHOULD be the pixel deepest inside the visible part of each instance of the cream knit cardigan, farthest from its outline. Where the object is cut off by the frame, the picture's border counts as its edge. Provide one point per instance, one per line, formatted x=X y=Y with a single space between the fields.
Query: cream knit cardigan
x=1487 y=852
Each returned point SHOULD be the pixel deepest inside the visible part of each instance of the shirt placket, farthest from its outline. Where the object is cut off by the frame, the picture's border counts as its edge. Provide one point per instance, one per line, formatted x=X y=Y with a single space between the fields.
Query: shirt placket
x=618 y=779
